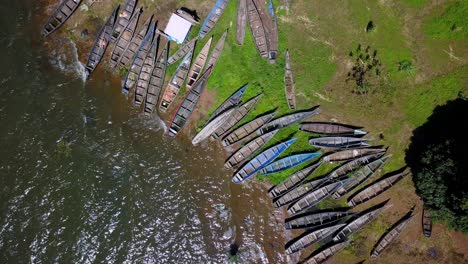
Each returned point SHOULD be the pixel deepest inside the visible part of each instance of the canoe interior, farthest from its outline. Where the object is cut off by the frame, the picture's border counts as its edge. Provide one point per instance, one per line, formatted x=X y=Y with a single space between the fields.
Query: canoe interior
x=156 y=81
x=135 y=43
x=233 y=100
x=216 y=53
x=292 y=181
x=247 y=129
x=124 y=19
x=124 y=39
x=241 y=22
x=60 y=15
x=213 y=17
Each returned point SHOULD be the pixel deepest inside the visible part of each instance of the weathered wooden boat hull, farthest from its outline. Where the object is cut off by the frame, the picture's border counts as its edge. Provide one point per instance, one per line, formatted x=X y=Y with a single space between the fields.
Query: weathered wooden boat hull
x=325 y=254
x=309 y=220
x=233 y=100
x=213 y=17
x=338 y=142
x=189 y=46
x=299 y=192
x=261 y=160
x=246 y=130
x=271 y=30
x=257 y=28
x=217 y=51
x=426 y=223
x=288 y=120
x=241 y=22
x=135 y=43
x=348 y=154
x=213 y=125
x=354 y=164
x=61 y=14
x=198 y=64
x=309 y=238
x=292 y=181
x=330 y=129
x=391 y=235
x=145 y=73
x=289 y=83
x=289 y=162
x=124 y=19
x=156 y=82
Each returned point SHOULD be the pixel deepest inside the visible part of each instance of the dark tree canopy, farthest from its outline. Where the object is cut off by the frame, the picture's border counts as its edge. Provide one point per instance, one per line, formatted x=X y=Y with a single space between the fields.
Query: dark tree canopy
x=438 y=160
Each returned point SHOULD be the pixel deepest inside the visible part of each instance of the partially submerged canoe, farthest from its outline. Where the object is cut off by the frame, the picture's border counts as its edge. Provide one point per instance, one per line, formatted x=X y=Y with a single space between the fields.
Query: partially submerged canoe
x=188 y=105
x=348 y=154
x=311 y=237
x=61 y=14
x=375 y=189
x=330 y=129
x=315 y=219
x=241 y=22
x=213 y=17
x=257 y=29
x=145 y=73
x=323 y=255
x=100 y=46
x=289 y=83
x=289 y=162
x=292 y=181
x=245 y=130
x=288 y=120
x=299 y=192
x=261 y=160
x=233 y=100
x=123 y=19
x=391 y=235
x=198 y=64
x=338 y=142
x=216 y=53
x=354 y=164
x=427 y=223
x=360 y=176
x=124 y=39
x=156 y=82
x=210 y=127
x=135 y=43
x=248 y=150
x=176 y=82
x=183 y=50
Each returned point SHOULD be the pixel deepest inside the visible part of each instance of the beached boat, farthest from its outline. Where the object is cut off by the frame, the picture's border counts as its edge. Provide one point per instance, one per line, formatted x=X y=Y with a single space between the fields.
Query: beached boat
x=289 y=83
x=247 y=129
x=123 y=19
x=354 y=164
x=176 y=82
x=316 y=219
x=213 y=17
x=311 y=237
x=271 y=30
x=217 y=50
x=186 y=48
x=313 y=198
x=137 y=63
x=289 y=162
x=249 y=149
x=135 y=43
x=124 y=39
x=100 y=46
x=257 y=29
x=348 y=154
x=323 y=255
x=145 y=73
x=188 y=105
x=233 y=100
x=260 y=161
x=375 y=189
x=360 y=176
x=288 y=120
x=241 y=22
x=427 y=223
x=198 y=64
x=241 y=112
x=61 y=14
x=292 y=181
x=299 y=192
x=338 y=142
x=330 y=129
x=156 y=82
x=210 y=127
x=359 y=222
x=391 y=235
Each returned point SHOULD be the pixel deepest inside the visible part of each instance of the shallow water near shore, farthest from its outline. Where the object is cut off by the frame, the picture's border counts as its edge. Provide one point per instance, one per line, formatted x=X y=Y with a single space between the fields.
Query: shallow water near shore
x=86 y=178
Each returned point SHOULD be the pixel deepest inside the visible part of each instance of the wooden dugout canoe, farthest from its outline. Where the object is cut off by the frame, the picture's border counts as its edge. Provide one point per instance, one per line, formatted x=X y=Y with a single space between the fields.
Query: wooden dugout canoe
x=271 y=30
x=360 y=176
x=241 y=112
x=348 y=154
x=217 y=51
x=289 y=83
x=124 y=39
x=426 y=223
x=249 y=149
x=354 y=164
x=245 y=130
x=330 y=129
x=292 y=181
x=123 y=19
x=258 y=162
x=213 y=17
x=176 y=82
x=198 y=64
x=233 y=100
x=299 y=192
x=156 y=82
x=145 y=73
x=210 y=127
x=186 y=48
x=241 y=21
x=188 y=105
x=391 y=235
x=311 y=237
x=101 y=44
x=61 y=14
x=135 y=43
x=315 y=219
x=288 y=120
x=289 y=162
x=375 y=189
x=338 y=142
x=325 y=254
x=257 y=29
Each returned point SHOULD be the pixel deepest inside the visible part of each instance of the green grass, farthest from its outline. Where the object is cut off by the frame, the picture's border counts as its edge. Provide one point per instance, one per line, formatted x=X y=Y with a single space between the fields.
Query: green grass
x=452 y=24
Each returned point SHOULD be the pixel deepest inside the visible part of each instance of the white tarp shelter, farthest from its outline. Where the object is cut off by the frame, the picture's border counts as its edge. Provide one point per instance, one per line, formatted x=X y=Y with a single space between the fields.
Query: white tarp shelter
x=178 y=28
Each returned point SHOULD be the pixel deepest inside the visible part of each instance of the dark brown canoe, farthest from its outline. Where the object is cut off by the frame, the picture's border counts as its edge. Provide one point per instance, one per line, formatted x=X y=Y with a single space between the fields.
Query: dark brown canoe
x=198 y=64
x=315 y=219
x=299 y=192
x=288 y=120
x=216 y=53
x=156 y=82
x=354 y=164
x=247 y=129
x=338 y=142
x=391 y=235
x=145 y=73
x=134 y=45
x=271 y=30
x=183 y=50
x=61 y=14
x=349 y=154
x=241 y=22
x=213 y=17
x=257 y=29
x=426 y=223
x=311 y=237
x=233 y=100
x=289 y=83
x=321 y=256
x=331 y=129
x=124 y=19
x=292 y=181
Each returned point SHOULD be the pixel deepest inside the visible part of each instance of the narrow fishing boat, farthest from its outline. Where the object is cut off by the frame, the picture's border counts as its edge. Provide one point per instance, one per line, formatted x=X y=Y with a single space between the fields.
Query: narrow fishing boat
x=61 y=14
x=292 y=181
x=354 y=164
x=210 y=127
x=145 y=73
x=260 y=161
x=288 y=120
x=391 y=235
x=135 y=43
x=316 y=219
x=245 y=130
x=360 y=176
x=257 y=29
x=233 y=100
x=289 y=162
x=338 y=142
x=360 y=221
x=313 y=198
x=189 y=46
x=426 y=223
x=216 y=53
x=299 y=192
x=325 y=254
x=289 y=83
x=348 y=154
x=124 y=39
x=271 y=30
x=249 y=149
x=176 y=82
x=241 y=21
x=100 y=46
x=123 y=19
x=213 y=17
x=375 y=189
x=188 y=105
x=311 y=237
x=198 y=64
x=241 y=112
x=330 y=129
x=137 y=63
x=156 y=82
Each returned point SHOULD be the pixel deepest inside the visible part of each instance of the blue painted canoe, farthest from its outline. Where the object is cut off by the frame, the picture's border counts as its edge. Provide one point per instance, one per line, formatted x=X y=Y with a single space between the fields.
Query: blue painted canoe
x=213 y=17
x=289 y=162
x=260 y=161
